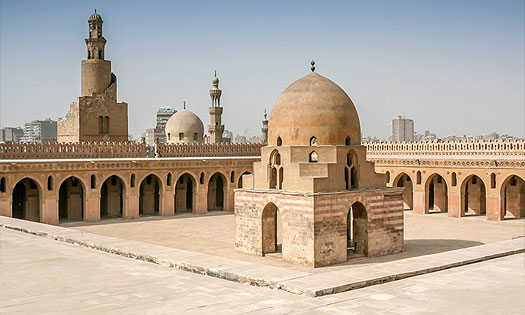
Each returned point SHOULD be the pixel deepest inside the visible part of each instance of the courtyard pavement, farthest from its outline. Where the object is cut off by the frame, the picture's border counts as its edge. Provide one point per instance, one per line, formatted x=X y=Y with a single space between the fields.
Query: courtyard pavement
x=214 y=234
x=39 y=275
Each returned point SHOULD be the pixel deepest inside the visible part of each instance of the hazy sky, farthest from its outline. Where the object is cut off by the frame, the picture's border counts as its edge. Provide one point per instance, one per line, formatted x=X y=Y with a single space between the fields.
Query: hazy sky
x=455 y=67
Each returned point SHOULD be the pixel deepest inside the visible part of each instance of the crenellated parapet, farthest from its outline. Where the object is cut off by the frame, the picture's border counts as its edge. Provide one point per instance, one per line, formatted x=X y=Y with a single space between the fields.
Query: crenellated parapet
x=499 y=149
x=208 y=149
x=76 y=150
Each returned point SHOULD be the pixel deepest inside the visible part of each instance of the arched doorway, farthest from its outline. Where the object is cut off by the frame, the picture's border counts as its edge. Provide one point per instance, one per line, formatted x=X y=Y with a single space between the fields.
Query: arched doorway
x=26 y=200
x=184 y=193
x=112 y=197
x=473 y=194
x=436 y=194
x=513 y=197
x=149 y=198
x=356 y=230
x=216 y=192
x=239 y=184
x=403 y=180
x=71 y=200
x=271 y=230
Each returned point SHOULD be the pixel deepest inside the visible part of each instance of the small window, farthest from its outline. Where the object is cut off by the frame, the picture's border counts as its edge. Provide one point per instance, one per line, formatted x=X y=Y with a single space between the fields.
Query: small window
x=418 y=178
x=181 y=135
x=492 y=180
x=201 y=179
x=232 y=177
x=100 y=53
x=387 y=176
x=168 y=179
x=313 y=141
x=279 y=141
x=93 y=181
x=313 y=157
x=454 y=179
x=277 y=159
x=2 y=184
x=132 y=180
x=169 y=136
x=195 y=136
x=50 y=183
x=347 y=141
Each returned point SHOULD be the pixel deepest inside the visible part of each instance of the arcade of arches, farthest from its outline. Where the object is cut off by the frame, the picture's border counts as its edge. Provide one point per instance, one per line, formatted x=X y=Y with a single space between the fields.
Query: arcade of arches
x=54 y=191
x=497 y=194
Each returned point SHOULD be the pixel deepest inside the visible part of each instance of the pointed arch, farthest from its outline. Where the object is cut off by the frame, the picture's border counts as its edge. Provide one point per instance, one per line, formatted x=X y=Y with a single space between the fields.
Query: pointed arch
x=113 y=197
x=271 y=232
x=71 y=199
x=217 y=187
x=150 y=193
x=185 y=192
x=27 y=200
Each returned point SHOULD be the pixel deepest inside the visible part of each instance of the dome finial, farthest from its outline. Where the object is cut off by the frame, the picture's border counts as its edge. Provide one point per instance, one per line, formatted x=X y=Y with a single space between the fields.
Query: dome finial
x=313 y=65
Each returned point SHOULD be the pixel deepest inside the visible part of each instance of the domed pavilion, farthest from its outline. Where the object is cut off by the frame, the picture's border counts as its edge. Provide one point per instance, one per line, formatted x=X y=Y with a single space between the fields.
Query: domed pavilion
x=318 y=201
x=184 y=127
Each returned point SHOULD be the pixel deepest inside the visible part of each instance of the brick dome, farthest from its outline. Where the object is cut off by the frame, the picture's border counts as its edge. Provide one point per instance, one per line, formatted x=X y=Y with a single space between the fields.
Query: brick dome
x=314 y=106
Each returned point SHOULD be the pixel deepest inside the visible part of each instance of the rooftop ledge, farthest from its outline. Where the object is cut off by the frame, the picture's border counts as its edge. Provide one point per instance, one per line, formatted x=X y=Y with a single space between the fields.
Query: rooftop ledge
x=393 y=190
x=193 y=158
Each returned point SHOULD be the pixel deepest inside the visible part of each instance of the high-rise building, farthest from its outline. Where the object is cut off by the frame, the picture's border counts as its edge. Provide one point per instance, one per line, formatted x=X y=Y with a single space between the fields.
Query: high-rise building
x=11 y=134
x=402 y=129
x=40 y=130
x=158 y=133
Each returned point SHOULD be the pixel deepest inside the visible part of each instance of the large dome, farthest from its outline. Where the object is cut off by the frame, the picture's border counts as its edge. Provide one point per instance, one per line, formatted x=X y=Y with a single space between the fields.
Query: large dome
x=314 y=106
x=184 y=127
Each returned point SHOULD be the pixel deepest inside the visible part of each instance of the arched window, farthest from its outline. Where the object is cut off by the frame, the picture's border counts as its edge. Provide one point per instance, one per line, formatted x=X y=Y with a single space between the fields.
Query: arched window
x=232 y=177
x=168 y=179
x=312 y=157
x=492 y=180
x=273 y=178
x=181 y=136
x=50 y=182
x=347 y=141
x=418 y=178
x=313 y=141
x=132 y=180
x=2 y=184
x=195 y=136
x=454 y=179
x=201 y=179
x=106 y=125
x=93 y=181
x=387 y=176
x=169 y=136
x=100 y=54
x=279 y=141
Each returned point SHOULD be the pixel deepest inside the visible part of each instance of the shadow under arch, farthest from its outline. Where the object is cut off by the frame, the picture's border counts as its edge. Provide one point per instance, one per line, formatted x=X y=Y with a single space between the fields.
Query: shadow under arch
x=150 y=194
x=271 y=231
x=356 y=230
x=404 y=180
x=26 y=200
x=112 y=197
x=436 y=194
x=217 y=187
x=71 y=199
x=185 y=193
x=473 y=196
x=512 y=196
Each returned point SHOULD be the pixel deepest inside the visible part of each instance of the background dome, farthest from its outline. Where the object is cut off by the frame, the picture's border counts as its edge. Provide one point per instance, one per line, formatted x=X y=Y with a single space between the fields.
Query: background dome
x=314 y=106
x=187 y=123
x=95 y=16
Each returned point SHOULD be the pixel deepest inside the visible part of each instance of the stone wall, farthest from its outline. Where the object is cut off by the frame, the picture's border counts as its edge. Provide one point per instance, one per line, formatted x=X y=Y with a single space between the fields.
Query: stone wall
x=77 y=150
x=314 y=226
x=208 y=149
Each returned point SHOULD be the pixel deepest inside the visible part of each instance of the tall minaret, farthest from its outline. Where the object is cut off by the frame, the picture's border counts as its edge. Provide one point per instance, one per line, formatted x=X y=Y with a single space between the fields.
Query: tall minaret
x=215 y=128
x=96 y=72
x=264 y=129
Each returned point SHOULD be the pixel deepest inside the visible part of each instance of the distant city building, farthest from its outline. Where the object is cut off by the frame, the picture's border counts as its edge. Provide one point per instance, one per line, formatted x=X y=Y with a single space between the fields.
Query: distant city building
x=402 y=129
x=158 y=132
x=427 y=136
x=227 y=136
x=240 y=139
x=11 y=134
x=40 y=130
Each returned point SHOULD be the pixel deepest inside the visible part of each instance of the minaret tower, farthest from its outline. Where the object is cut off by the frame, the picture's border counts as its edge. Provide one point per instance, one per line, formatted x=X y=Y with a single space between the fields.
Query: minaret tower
x=96 y=72
x=264 y=129
x=215 y=128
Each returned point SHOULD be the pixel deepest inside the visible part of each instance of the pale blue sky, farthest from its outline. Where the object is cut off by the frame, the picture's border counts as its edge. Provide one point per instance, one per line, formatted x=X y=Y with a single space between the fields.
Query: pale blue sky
x=455 y=67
